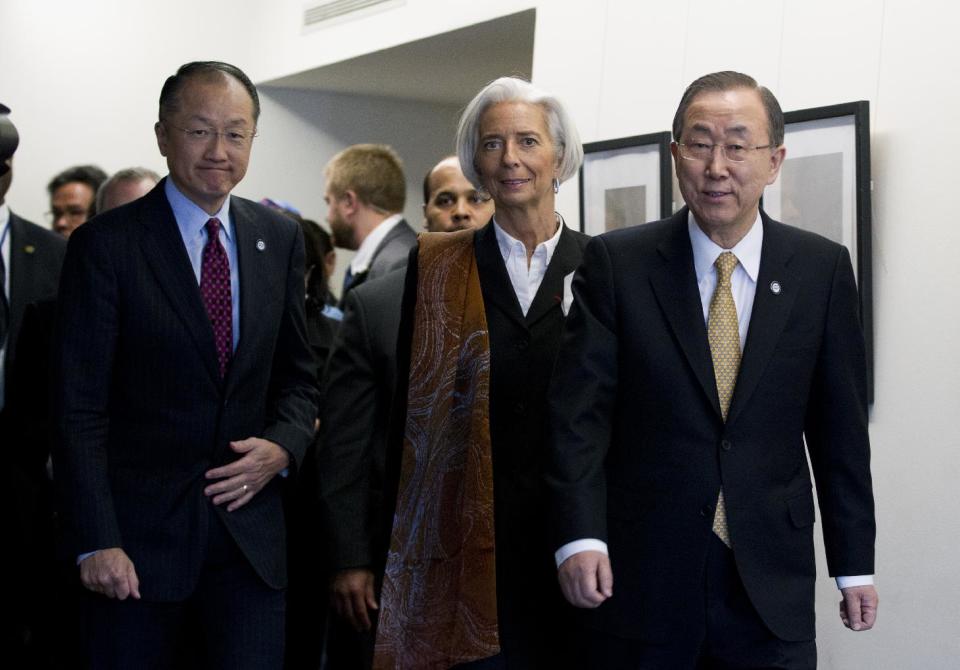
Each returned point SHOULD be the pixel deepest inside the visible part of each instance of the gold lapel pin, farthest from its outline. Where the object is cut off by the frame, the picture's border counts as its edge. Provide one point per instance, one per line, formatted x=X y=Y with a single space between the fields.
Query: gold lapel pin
x=29 y=249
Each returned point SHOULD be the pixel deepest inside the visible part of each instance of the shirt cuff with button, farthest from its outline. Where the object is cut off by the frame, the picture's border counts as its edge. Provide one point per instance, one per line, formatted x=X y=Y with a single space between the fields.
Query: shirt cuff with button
x=591 y=544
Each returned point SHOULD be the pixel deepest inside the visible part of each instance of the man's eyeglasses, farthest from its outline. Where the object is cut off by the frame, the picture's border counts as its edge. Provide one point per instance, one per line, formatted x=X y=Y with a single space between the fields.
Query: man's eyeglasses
x=237 y=138
x=701 y=151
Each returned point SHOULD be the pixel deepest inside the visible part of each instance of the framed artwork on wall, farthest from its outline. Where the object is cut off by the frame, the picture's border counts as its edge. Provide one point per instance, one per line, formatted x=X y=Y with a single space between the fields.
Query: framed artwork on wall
x=824 y=186
x=624 y=182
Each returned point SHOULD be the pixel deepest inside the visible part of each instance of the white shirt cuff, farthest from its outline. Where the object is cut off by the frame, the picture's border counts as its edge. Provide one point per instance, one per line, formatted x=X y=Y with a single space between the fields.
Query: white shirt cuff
x=858 y=580
x=575 y=547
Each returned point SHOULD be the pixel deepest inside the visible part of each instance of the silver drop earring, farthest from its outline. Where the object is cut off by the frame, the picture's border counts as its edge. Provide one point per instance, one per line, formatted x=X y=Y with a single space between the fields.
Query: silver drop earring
x=556 y=185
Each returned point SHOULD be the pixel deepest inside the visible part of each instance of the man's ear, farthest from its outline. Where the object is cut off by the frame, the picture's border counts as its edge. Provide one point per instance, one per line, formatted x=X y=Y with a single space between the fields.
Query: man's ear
x=350 y=200
x=161 y=132
x=776 y=162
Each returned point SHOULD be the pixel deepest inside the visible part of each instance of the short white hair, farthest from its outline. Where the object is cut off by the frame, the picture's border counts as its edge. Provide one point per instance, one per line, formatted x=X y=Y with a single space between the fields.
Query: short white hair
x=512 y=89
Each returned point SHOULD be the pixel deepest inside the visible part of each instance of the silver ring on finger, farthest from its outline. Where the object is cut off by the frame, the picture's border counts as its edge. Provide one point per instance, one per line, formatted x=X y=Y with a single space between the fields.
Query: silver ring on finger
x=244 y=488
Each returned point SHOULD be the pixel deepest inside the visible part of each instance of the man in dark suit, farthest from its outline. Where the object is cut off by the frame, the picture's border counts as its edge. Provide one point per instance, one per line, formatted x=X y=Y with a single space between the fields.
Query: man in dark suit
x=365 y=193
x=32 y=257
x=30 y=260
x=701 y=352
x=186 y=393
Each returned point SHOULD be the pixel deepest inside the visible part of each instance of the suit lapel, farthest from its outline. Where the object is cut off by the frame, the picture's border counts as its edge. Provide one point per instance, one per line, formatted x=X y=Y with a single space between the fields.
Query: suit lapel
x=769 y=315
x=397 y=231
x=253 y=272
x=675 y=286
x=23 y=271
x=493 y=274
x=566 y=258
x=163 y=248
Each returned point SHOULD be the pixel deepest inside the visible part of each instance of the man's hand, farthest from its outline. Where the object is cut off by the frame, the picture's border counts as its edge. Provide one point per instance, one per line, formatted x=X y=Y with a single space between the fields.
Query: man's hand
x=858 y=609
x=243 y=479
x=110 y=572
x=586 y=578
x=352 y=595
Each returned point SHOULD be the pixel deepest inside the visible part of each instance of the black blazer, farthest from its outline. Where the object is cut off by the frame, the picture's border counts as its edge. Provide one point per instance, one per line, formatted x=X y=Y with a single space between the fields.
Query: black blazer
x=143 y=413
x=358 y=388
x=391 y=254
x=36 y=255
x=360 y=457
x=523 y=349
x=640 y=448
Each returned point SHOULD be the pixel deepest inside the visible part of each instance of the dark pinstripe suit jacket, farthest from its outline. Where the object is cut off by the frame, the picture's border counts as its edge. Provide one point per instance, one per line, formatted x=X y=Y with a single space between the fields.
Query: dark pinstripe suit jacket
x=142 y=411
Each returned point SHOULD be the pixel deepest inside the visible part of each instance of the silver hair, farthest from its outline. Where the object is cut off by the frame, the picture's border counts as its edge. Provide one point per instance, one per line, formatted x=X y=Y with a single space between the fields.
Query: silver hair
x=127 y=174
x=511 y=89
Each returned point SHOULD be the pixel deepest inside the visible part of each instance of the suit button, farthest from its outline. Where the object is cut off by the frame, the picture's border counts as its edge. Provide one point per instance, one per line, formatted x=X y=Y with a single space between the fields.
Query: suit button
x=522 y=345
x=726 y=445
x=707 y=511
x=520 y=408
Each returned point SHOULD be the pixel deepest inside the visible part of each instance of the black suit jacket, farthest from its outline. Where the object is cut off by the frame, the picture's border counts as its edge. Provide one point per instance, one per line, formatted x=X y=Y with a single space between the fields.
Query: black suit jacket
x=640 y=448
x=36 y=255
x=358 y=388
x=523 y=349
x=391 y=254
x=360 y=457
x=143 y=413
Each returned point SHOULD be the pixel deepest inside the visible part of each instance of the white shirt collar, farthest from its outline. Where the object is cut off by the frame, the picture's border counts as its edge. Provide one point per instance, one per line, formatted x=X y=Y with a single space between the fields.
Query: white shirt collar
x=706 y=251
x=4 y=216
x=364 y=256
x=508 y=244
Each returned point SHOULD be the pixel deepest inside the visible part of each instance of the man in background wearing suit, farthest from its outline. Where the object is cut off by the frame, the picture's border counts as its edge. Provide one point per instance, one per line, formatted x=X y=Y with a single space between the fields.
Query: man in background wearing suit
x=30 y=260
x=186 y=389
x=365 y=193
x=700 y=353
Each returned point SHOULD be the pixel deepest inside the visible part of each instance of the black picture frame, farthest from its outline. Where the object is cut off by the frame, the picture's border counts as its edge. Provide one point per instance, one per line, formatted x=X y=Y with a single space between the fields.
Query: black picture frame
x=825 y=186
x=619 y=183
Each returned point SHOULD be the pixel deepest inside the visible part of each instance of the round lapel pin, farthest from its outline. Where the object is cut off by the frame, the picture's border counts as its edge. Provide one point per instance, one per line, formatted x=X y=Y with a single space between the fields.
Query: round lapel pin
x=261 y=245
x=775 y=287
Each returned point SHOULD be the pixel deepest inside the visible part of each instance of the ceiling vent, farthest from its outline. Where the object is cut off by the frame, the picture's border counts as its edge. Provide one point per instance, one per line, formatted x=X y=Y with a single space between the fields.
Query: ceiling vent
x=329 y=13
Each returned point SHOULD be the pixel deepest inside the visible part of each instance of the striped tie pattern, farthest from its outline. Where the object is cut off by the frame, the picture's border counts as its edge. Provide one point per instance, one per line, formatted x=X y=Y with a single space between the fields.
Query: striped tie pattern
x=723 y=332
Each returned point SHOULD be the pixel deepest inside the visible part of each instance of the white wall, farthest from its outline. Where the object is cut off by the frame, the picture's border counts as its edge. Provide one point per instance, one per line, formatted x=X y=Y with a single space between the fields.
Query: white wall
x=621 y=65
x=625 y=76
x=301 y=130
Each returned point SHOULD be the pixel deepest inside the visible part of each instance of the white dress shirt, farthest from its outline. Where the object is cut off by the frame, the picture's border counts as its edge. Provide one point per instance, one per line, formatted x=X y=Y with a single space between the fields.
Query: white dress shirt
x=361 y=260
x=743 y=284
x=525 y=278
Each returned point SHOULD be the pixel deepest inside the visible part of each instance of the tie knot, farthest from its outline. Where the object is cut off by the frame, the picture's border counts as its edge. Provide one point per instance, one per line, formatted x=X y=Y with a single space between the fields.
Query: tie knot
x=213 y=228
x=726 y=262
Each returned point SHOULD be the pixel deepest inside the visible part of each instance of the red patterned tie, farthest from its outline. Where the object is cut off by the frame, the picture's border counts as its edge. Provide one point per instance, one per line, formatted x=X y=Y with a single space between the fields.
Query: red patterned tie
x=215 y=290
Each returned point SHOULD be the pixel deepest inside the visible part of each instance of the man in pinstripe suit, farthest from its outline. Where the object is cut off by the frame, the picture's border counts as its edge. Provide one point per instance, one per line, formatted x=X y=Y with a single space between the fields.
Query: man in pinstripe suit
x=186 y=391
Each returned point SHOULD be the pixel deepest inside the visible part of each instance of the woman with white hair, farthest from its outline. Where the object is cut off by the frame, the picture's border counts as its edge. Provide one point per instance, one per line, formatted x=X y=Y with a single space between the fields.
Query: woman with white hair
x=469 y=577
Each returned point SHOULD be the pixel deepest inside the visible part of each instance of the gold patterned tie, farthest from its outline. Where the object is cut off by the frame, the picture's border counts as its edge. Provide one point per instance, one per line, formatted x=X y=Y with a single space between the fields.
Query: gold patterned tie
x=723 y=332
